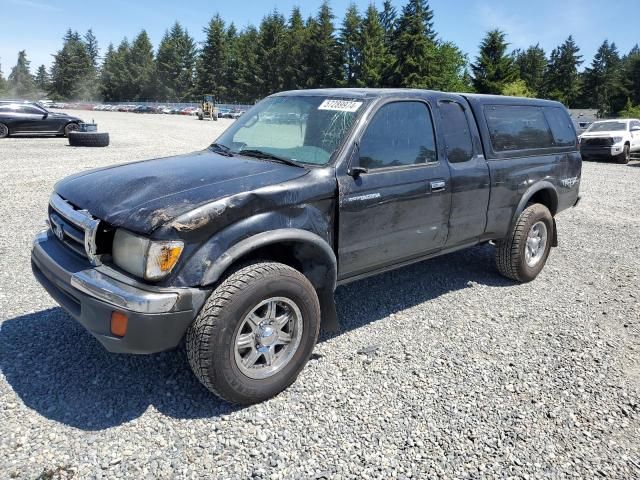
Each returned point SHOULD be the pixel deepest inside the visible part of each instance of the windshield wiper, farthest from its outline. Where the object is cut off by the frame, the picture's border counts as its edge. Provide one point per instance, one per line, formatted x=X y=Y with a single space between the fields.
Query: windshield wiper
x=221 y=149
x=252 y=152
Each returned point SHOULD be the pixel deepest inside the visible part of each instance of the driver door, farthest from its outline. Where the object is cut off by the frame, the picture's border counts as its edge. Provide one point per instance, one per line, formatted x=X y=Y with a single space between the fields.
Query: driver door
x=394 y=205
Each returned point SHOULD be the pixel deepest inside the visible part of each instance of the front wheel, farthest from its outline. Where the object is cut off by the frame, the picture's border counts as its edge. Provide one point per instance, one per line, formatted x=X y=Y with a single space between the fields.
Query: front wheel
x=71 y=127
x=625 y=156
x=255 y=333
x=523 y=253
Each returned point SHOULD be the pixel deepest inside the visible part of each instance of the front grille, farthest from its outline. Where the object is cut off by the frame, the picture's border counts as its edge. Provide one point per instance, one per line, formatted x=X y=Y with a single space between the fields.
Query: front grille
x=71 y=235
x=599 y=142
x=86 y=236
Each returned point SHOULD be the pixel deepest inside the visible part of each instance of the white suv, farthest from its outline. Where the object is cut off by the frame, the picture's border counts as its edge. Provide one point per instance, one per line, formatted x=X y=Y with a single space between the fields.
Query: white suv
x=611 y=139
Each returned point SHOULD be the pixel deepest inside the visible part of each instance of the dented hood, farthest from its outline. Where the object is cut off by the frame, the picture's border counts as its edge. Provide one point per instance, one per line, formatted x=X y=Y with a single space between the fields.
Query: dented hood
x=141 y=196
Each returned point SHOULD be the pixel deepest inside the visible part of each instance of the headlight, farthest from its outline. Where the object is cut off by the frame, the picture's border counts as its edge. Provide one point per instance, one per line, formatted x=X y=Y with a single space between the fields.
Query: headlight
x=617 y=140
x=144 y=258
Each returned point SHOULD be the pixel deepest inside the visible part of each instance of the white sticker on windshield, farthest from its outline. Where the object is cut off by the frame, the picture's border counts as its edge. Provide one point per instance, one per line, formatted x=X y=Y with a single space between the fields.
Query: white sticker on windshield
x=340 y=105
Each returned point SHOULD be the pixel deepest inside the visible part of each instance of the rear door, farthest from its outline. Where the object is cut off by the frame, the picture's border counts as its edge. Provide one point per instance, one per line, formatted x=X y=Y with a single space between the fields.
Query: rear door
x=398 y=207
x=470 y=181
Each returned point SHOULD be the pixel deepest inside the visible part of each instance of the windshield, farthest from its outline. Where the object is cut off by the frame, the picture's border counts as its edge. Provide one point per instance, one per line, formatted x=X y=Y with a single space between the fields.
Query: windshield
x=305 y=129
x=607 y=127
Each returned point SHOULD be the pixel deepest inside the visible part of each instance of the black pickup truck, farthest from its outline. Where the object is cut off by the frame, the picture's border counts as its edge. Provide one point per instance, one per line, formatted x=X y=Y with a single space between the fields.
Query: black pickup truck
x=238 y=249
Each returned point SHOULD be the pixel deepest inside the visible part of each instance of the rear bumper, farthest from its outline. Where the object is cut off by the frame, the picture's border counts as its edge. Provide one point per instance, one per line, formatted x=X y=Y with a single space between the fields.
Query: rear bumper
x=157 y=317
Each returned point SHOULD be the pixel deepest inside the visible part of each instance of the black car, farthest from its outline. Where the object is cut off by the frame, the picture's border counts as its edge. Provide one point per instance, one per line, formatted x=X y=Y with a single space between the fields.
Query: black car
x=238 y=248
x=30 y=118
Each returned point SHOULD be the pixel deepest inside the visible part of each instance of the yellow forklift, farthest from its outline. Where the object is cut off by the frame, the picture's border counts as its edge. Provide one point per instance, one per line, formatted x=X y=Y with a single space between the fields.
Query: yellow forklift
x=208 y=109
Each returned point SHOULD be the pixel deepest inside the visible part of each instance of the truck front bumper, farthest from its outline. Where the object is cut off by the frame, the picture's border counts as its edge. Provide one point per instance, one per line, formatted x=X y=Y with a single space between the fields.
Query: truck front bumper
x=157 y=317
x=601 y=152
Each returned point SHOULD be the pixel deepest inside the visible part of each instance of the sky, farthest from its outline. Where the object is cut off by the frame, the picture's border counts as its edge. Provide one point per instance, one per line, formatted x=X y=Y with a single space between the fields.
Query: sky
x=37 y=26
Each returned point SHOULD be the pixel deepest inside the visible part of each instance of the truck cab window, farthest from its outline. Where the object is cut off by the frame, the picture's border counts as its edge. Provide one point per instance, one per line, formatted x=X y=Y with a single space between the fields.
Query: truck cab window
x=561 y=126
x=455 y=129
x=515 y=127
x=400 y=134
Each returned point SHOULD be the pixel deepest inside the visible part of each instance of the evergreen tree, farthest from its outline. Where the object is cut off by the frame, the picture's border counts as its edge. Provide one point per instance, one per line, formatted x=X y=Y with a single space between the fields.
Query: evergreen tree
x=322 y=52
x=142 y=68
x=531 y=64
x=232 y=65
x=21 y=82
x=631 y=75
x=212 y=60
x=375 y=56
x=294 y=67
x=389 y=22
x=91 y=42
x=271 y=53
x=247 y=75
x=42 y=79
x=350 y=46
x=422 y=9
x=493 y=68
x=561 y=79
x=603 y=81
x=3 y=82
x=413 y=50
x=72 y=72
x=108 y=88
x=175 y=64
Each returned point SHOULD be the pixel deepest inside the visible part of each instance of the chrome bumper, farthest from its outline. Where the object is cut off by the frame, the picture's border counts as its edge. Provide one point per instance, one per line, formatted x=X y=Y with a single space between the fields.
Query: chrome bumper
x=101 y=283
x=158 y=317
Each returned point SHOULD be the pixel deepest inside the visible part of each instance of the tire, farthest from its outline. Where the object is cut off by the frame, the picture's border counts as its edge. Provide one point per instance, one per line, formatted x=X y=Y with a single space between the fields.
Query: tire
x=248 y=294
x=71 y=127
x=89 y=139
x=625 y=156
x=513 y=258
x=4 y=130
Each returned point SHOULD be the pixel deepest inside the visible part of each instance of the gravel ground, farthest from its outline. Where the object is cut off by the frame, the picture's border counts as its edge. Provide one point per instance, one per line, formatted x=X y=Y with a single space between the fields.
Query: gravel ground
x=463 y=374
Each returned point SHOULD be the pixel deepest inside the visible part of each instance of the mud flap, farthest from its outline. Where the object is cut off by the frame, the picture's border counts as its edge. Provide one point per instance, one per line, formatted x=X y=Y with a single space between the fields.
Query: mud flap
x=554 y=241
x=329 y=321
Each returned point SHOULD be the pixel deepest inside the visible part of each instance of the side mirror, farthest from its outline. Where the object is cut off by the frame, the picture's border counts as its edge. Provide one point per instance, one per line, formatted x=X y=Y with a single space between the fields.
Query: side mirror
x=45 y=115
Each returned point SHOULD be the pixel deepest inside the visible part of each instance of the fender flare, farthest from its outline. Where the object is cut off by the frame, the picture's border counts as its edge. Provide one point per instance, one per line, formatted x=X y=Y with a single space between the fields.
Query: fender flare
x=530 y=192
x=526 y=196
x=324 y=284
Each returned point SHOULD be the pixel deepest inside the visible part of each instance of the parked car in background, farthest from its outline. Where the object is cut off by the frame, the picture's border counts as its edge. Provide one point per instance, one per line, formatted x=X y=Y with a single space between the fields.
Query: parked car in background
x=18 y=117
x=239 y=247
x=611 y=139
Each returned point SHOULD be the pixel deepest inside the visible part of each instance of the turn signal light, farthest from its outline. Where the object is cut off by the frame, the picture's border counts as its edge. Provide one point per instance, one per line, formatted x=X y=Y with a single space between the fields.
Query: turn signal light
x=119 y=323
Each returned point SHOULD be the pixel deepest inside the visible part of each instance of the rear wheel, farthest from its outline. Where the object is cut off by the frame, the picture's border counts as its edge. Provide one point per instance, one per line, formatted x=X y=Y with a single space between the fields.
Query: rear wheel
x=625 y=156
x=4 y=130
x=524 y=252
x=255 y=333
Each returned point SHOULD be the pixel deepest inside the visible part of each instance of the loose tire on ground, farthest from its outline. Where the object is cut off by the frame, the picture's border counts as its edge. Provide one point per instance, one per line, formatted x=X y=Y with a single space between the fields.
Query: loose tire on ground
x=625 y=156
x=89 y=139
x=4 y=130
x=226 y=323
x=511 y=252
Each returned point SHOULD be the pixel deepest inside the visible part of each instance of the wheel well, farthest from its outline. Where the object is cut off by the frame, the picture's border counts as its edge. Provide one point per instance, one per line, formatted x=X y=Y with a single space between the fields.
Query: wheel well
x=304 y=257
x=547 y=198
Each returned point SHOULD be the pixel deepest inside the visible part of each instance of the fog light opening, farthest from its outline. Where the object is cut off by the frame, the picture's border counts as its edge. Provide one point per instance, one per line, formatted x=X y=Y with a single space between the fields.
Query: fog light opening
x=119 y=323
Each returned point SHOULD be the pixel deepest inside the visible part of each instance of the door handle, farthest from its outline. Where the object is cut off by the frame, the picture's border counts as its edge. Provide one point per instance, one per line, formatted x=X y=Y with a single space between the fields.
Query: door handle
x=438 y=185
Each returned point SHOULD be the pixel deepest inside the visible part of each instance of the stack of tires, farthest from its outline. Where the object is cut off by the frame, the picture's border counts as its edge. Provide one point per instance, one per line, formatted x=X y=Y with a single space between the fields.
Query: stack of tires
x=87 y=135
